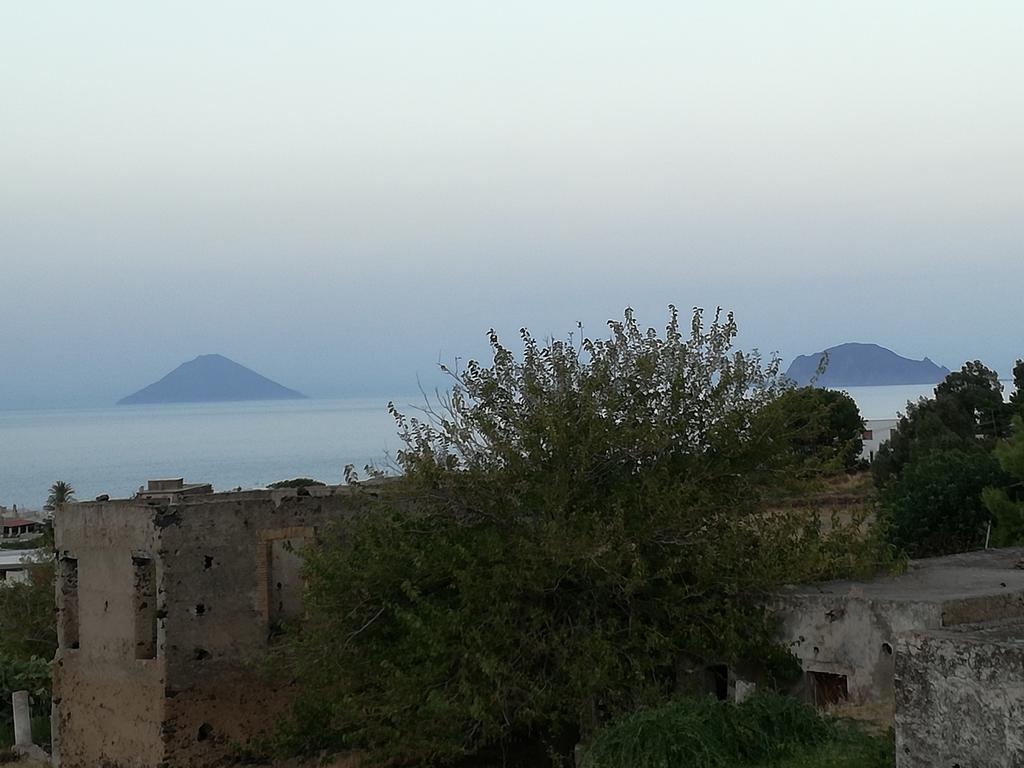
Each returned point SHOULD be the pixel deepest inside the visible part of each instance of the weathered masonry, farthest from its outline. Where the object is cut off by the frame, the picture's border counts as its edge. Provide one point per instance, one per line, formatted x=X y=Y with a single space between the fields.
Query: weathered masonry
x=163 y=601
x=960 y=697
x=845 y=633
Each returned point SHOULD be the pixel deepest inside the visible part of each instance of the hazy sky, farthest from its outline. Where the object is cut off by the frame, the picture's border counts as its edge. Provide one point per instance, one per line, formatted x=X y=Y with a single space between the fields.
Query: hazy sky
x=337 y=193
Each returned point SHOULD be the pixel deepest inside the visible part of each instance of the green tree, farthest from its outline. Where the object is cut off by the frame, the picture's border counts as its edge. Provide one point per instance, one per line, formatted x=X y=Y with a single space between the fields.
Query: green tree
x=1017 y=398
x=824 y=426
x=936 y=503
x=572 y=523
x=978 y=391
x=28 y=626
x=61 y=492
x=28 y=636
x=967 y=414
x=1006 y=504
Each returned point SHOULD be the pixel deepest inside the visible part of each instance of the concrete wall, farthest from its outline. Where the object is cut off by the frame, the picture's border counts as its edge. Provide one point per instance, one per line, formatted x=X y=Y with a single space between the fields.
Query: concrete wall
x=853 y=636
x=109 y=704
x=960 y=699
x=881 y=430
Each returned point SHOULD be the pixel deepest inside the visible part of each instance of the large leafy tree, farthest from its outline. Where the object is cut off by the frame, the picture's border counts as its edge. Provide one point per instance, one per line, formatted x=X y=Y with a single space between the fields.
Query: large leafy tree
x=1017 y=397
x=824 y=427
x=967 y=414
x=936 y=503
x=978 y=392
x=573 y=523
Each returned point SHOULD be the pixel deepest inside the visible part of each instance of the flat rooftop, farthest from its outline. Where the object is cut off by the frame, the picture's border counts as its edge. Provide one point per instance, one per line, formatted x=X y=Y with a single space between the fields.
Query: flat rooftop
x=972 y=574
x=1004 y=634
x=202 y=496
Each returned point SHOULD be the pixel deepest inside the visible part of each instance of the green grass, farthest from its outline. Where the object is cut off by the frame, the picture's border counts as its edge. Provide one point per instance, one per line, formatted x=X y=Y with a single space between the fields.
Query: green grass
x=851 y=748
x=766 y=731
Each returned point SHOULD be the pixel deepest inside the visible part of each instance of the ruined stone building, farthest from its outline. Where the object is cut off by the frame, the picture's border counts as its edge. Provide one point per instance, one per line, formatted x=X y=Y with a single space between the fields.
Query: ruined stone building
x=960 y=697
x=165 y=600
x=939 y=650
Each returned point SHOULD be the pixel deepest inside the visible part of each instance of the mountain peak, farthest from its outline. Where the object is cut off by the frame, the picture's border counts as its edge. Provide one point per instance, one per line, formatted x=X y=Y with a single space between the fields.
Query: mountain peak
x=211 y=378
x=857 y=364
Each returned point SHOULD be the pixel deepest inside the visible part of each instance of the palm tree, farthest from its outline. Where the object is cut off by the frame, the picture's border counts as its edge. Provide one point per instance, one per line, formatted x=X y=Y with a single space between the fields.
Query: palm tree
x=60 y=493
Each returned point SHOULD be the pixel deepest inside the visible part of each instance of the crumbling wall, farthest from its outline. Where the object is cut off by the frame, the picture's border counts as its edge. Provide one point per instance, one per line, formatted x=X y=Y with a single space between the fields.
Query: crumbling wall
x=109 y=703
x=168 y=607
x=960 y=698
x=851 y=636
x=233 y=577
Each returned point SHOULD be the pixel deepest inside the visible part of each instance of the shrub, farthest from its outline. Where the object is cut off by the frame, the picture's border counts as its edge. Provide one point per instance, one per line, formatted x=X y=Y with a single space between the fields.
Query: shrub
x=707 y=733
x=298 y=482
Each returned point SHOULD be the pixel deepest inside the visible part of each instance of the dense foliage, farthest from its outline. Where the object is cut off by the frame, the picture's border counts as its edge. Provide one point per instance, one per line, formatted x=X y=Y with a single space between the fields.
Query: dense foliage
x=824 y=427
x=940 y=473
x=298 y=482
x=967 y=414
x=1017 y=398
x=572 y=523
x=28 y=626
x=705 y=733
x=28 y=640
x=1006 y=503
x=936 y=504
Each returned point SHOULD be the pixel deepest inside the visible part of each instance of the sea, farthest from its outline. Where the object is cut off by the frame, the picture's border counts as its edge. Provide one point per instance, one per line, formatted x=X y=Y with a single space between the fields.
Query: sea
x=232 y=445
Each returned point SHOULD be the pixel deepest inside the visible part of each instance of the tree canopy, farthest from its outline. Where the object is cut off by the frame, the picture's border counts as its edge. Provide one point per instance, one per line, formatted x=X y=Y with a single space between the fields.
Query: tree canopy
x=824 y=427
x=968 y=414
x=1006 y=503
x=61 y=492
x=574 y=523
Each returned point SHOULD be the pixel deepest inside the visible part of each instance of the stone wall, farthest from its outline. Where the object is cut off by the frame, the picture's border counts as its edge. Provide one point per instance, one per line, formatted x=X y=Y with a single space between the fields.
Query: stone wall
x=179 y=683
x=960 y=698
x=109 y=704
x=233 y=578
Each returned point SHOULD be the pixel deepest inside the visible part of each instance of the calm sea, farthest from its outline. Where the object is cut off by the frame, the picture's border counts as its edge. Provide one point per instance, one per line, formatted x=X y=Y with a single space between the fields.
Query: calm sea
x=115 y=450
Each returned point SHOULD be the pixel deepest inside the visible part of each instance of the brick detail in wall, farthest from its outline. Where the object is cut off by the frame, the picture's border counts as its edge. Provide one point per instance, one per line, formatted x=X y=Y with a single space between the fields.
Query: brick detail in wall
x=263 y=555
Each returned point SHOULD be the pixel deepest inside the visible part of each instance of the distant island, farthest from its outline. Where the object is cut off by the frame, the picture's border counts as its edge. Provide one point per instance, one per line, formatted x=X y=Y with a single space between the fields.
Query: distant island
x=864 y=365
x=210 y=379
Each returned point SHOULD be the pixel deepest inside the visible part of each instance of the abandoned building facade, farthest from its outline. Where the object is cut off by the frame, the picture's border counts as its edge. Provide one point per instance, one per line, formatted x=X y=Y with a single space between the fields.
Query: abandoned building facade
x=165 y=601
x=919 y=650
x=168 y=600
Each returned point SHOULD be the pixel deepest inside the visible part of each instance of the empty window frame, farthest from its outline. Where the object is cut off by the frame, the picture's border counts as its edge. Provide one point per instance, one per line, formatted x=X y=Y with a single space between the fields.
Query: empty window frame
x=716 y=681
x=67 y=578
x=828 y=689
x=284 y=581
x=144 y=572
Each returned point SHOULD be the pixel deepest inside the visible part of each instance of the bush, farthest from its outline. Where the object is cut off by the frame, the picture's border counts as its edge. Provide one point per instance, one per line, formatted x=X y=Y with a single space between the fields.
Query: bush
x=707 y=733
x=298 y=482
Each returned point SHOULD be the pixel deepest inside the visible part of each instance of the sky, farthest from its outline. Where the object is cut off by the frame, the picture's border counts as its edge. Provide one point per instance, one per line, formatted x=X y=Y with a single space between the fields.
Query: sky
x=341 y=194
